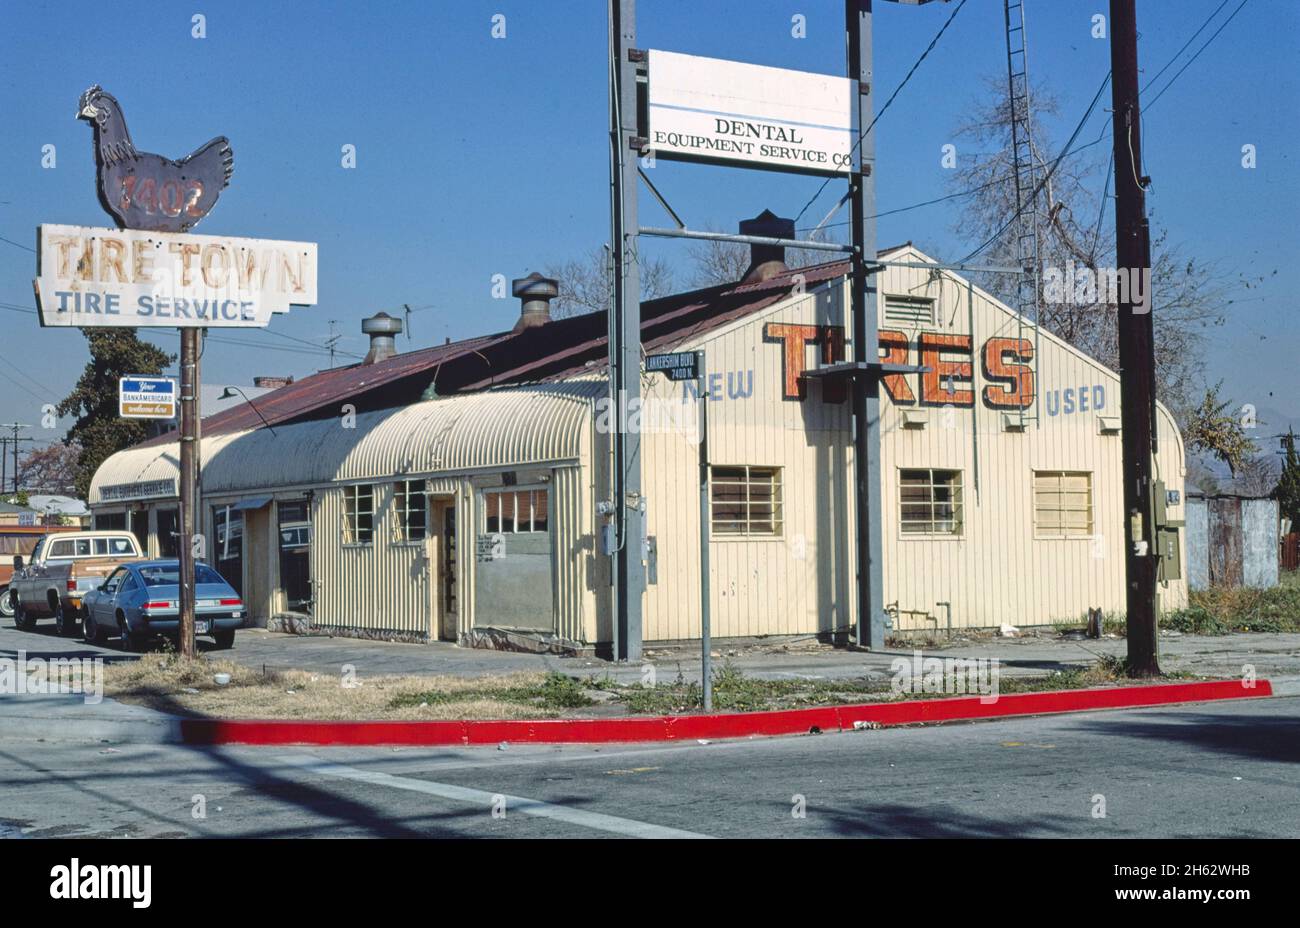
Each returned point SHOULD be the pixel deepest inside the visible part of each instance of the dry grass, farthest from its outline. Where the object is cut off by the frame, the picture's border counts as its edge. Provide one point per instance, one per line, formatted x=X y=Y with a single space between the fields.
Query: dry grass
x=172 y=684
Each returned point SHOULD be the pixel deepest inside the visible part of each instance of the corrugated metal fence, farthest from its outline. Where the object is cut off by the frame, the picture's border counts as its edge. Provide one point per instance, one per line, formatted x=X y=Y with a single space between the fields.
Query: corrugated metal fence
x=1232 y=541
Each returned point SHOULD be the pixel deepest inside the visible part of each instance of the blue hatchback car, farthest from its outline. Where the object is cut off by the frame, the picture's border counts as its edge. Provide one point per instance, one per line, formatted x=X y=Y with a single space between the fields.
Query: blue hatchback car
x=142 y=599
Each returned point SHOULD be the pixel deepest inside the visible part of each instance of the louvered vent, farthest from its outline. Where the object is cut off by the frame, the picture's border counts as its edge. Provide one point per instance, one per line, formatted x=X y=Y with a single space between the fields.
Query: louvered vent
x=909 y=311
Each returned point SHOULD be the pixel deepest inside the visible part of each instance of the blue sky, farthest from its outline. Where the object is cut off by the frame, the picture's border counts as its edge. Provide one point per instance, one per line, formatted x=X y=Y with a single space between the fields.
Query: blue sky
x=479 y=156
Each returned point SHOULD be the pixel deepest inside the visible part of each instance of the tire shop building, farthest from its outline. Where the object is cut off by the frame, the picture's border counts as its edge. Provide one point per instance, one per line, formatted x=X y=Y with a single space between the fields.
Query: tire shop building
x=454 y=492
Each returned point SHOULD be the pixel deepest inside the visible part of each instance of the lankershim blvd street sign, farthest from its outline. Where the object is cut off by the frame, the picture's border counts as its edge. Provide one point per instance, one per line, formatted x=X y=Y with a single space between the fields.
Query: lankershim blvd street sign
x=94 y=277
x=728 y=112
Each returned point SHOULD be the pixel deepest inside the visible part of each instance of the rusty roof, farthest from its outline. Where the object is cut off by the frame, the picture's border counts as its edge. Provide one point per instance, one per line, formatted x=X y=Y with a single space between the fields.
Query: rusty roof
x=561 y=348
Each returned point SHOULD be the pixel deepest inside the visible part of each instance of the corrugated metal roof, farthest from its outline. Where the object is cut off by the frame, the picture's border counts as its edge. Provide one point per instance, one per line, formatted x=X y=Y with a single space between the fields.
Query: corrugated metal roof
x=517 y=426
x=561 y=348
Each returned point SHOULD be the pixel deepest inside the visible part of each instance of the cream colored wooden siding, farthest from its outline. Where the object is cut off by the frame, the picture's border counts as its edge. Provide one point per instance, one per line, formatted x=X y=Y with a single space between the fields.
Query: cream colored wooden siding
x=997 y=572
x=384 y=586
x=792 y=583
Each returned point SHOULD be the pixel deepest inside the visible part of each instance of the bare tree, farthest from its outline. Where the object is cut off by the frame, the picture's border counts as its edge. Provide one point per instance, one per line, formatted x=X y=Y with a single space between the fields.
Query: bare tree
x=1258 y=476
x=587 y=283
x=1074 y=227
x=716 y=262
x=52 y=469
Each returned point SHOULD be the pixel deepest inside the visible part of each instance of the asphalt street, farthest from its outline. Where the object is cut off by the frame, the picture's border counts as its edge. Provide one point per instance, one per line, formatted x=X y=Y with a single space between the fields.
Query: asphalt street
x=1226 y=769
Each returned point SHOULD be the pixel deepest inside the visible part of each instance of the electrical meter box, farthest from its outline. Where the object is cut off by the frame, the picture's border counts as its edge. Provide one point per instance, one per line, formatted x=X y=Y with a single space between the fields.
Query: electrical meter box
x=1168 y=548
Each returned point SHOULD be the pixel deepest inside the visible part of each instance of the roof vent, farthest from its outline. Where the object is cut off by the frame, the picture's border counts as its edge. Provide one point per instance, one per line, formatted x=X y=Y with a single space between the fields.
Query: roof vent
x=535 y=292
x=766 y=261
x=273 y=382
x=381 y=328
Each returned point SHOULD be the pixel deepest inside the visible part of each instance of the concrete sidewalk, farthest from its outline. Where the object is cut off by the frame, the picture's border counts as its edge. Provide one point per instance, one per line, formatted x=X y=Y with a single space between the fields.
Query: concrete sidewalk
x=1272 y=655
x=70 y=718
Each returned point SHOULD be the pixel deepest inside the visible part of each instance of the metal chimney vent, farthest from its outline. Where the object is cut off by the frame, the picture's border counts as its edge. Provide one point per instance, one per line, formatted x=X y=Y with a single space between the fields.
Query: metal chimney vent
x=382 y=329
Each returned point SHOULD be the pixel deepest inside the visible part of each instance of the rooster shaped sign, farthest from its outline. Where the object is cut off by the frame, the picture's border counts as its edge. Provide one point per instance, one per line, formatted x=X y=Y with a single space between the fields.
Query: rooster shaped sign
x=149 y=192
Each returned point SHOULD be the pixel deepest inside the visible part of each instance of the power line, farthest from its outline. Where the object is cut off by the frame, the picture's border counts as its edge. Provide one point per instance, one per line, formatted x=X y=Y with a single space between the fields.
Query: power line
x=1198 y=52
x=318 y=347
x=1185 y=44
x=9 y=241
x=266 y=347
x=1097 y=141
x=875 y=119
x=1048 y=176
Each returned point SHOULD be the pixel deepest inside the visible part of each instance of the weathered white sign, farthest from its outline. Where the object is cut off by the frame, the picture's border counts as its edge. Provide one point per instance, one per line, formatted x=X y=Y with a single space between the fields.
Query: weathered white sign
x=707 y=109
x=93 y=277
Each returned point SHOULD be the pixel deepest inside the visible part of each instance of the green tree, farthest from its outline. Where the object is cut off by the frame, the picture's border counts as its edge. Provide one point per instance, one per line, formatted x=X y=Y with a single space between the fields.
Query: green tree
x=1209 y=427
x=1287 y=493
x=99 y=431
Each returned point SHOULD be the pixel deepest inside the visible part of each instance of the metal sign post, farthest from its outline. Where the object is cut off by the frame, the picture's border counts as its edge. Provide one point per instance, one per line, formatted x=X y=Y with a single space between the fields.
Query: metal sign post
x=189 y=484
x=681 y=366
x=706 y=655
x=628 y=579
x=693 y=117
x=866 y=341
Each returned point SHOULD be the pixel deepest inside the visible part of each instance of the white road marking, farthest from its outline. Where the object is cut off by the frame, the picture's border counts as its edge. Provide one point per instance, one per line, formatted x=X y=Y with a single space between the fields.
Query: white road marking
x=595 y=820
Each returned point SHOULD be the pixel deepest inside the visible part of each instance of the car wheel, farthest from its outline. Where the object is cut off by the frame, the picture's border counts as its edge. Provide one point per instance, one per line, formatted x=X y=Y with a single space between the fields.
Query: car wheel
x=225 y=639
x=6 y=604
x=22 y=621
x=65 y=620
x=90 y=630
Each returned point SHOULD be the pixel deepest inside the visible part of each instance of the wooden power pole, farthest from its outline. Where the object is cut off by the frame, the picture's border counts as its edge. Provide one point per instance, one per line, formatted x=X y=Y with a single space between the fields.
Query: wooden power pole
x=1136 y=344
x=189 y=483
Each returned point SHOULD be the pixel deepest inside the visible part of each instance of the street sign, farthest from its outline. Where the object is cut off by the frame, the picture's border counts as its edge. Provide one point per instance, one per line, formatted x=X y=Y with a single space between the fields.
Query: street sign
x=95 y=277
x=146 y=397
x=728 y=112
x=681 y=365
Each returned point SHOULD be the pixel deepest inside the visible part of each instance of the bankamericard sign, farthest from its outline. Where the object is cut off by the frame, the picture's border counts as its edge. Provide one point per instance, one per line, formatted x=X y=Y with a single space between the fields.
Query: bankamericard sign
x=93 y=277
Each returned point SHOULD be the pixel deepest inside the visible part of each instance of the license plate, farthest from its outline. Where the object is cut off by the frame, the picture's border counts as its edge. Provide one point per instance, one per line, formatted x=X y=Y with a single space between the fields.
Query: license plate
x=200 y=627
x=208 y=602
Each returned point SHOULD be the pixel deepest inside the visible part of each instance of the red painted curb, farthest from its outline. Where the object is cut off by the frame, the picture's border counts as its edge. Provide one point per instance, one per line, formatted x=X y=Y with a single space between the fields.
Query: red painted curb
x=685 y=727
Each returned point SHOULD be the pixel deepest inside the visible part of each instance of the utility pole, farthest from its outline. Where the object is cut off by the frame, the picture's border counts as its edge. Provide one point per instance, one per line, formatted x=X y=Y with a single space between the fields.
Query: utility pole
x=866 y=340
x=628 y=579
x=14 y=427
x=189 y=483
x=1136 y=344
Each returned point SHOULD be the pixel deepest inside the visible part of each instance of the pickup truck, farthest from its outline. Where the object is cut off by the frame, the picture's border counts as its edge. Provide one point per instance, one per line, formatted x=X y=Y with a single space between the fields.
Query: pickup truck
x=63 y=568
x=20 y=540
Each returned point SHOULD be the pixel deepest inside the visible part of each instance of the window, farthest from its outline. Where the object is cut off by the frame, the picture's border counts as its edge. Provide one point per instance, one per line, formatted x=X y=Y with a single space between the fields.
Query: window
x=745 y=500
x=167 y=575
x=295 y=525
x=18 y=544
x=115 y=580
x=515 y=511
x=411 y=503
x=110 y=521
x=358 y=514
x=229 y=531
x=169 y=532
x=909 y=310
x=70 y=548
x=1062 y=504
x=931 y=502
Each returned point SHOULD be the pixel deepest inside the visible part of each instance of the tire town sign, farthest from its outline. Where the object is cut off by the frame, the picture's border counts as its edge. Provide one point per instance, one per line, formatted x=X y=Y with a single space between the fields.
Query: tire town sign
x=94 y=277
